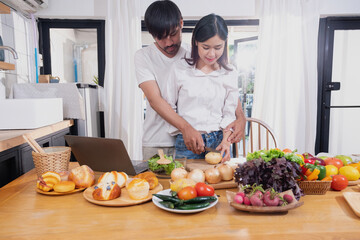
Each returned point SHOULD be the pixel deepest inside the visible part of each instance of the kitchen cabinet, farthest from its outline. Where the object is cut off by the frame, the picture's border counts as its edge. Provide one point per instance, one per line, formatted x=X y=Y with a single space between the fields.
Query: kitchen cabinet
x=9 y=166
x=18 y=160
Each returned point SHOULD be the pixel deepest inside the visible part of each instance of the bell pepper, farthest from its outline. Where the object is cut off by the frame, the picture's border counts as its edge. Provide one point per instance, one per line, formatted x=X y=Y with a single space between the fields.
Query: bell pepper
x=322 y=169
x=312 y=174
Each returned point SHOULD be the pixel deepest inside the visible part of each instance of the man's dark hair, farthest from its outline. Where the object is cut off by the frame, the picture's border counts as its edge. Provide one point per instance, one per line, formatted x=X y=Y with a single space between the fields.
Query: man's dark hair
x=161 y=17
x=206 y=28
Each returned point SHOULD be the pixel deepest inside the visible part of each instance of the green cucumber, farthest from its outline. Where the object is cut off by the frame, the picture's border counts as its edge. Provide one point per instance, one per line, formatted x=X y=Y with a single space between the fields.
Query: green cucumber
x=167 y=198
x=193 y=206
x=201 y=199
x=167 y=204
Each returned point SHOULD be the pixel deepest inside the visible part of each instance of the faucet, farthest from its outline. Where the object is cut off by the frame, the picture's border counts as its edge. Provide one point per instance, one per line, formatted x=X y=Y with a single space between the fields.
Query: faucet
x=14 y=53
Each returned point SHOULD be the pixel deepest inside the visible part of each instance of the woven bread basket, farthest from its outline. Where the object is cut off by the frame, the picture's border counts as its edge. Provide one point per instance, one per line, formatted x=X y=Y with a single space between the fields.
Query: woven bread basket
x=54 y=159
x=314 y=187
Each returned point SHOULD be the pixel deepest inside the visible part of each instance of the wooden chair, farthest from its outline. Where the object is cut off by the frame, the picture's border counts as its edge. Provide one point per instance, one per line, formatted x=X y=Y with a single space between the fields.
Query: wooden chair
x=263 y=133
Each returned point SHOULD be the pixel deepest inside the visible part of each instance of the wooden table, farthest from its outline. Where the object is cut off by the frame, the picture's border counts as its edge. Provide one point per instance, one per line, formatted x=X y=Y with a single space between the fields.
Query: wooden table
x=26 y=214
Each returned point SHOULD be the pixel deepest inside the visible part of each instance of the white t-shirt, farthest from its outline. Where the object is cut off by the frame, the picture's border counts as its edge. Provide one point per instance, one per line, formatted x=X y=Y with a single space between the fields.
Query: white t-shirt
x=152 y=64
x=206 y=101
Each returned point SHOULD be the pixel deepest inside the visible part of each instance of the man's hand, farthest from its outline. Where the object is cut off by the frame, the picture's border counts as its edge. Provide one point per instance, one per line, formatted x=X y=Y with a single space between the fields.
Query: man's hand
x=193 y=140
x=237 y=128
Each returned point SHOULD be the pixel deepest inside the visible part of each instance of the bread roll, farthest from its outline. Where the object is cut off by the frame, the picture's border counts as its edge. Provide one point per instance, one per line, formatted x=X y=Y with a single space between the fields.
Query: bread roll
x=64 y=186
x=40 y=184
x=82 y=176
x=106 y=191
x=150 y=178
x=51 y=178
x=64 y=175
x=118 y=177
x=138 y=189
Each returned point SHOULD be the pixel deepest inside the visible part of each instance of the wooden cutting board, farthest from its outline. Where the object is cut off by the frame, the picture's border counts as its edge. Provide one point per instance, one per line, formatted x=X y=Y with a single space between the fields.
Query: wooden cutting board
x=201 y=164
x=192 y=164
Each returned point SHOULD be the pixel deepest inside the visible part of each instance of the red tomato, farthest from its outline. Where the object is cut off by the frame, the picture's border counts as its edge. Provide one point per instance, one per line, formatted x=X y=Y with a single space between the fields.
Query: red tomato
x=203 y=189
x=334 y=161
x=339 y=182
x=187 y=193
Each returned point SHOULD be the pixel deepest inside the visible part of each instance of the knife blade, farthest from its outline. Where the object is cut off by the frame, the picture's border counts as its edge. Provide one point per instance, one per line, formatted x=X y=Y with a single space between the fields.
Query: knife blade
x=208 y=149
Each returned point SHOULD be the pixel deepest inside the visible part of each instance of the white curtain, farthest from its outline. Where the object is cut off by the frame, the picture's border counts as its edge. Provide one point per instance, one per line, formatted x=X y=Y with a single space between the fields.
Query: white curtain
x=285 y=91
x=123 y=98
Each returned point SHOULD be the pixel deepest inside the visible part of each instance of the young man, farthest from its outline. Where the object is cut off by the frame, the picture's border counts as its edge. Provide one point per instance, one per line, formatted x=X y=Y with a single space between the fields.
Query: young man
x=164 y=22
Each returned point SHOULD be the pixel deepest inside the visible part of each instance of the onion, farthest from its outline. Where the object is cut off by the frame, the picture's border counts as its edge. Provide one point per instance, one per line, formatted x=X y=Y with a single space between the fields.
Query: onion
x=178 y=173
x=212 y=175
x=213 y=157
x=197 y=175
x=226 y=172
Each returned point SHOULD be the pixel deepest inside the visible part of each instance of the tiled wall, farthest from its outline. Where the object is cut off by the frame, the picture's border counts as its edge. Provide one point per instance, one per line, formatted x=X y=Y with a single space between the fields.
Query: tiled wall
x=16 y=31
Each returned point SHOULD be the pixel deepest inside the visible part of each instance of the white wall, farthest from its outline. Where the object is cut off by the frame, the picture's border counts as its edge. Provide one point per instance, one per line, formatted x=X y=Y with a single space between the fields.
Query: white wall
x=96 y=9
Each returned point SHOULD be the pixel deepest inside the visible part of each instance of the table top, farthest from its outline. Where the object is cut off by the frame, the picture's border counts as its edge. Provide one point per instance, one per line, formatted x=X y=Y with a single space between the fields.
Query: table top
x=13 y=138
x=26 y=214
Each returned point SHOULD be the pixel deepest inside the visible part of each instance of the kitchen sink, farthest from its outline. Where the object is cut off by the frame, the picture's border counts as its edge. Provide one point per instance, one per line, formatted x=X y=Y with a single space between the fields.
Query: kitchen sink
x=30 y=113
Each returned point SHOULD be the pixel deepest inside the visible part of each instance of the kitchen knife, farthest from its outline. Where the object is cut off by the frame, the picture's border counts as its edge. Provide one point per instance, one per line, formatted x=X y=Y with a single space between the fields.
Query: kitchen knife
x=208 y=149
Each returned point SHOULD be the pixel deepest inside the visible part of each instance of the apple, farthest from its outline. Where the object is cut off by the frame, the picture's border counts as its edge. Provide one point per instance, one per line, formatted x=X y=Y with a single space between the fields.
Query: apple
x=345 y=159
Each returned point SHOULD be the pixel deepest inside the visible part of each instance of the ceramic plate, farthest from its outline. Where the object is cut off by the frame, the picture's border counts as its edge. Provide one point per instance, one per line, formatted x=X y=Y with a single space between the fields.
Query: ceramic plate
x=295 y=204
x=53 y=193
x=157 y=201
x=353 y=183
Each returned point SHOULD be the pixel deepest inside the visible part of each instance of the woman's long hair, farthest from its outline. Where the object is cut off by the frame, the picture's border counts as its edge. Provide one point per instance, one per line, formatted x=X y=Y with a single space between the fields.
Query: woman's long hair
x=206 y=28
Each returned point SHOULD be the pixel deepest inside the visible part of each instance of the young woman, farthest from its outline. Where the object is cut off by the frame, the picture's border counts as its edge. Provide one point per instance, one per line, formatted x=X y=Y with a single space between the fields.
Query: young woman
x=203 y=88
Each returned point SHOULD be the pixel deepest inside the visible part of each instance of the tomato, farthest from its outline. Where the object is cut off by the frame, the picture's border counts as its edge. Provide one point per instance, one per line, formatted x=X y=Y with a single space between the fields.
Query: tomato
x=187 y=193
x=287 y=150
x=339 y=182
x=334 y=161
x=203 y=189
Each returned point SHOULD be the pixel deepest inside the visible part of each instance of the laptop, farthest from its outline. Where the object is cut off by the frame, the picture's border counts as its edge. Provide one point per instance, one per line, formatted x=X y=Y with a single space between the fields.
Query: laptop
x=103 y=154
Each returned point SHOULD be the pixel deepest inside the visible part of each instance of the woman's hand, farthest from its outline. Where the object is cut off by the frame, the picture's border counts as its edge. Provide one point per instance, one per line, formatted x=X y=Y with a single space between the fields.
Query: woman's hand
x=224 y=148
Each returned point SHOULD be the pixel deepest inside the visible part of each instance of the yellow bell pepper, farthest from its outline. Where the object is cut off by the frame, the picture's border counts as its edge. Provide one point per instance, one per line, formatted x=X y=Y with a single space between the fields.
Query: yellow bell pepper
x=312 y=175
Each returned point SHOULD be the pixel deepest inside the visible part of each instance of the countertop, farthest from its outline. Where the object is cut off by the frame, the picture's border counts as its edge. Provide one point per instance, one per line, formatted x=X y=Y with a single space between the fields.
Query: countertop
x=26 y=214
x=13 y=138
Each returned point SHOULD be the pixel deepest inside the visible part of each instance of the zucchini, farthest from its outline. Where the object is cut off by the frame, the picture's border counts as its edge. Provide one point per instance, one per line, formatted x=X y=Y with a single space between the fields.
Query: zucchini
x=192 y=206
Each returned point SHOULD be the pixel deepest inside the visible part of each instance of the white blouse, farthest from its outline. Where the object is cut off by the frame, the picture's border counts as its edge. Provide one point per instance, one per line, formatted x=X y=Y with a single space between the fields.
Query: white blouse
x=206 y=101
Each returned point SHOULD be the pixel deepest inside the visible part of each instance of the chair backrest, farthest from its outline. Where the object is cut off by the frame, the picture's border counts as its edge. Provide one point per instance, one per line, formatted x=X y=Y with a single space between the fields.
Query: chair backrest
x=258 y=135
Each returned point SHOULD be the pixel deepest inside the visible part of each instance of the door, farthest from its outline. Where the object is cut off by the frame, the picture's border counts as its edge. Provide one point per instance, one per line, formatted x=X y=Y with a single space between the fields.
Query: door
x=338 y=128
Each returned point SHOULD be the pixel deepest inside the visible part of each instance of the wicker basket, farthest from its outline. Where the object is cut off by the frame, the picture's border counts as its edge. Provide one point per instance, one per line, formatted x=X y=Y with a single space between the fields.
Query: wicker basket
x=314 y=187
x=54 y=159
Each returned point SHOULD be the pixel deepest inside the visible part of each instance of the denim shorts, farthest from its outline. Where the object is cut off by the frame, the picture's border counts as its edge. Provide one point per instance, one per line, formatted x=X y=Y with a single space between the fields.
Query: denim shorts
x=211 y=140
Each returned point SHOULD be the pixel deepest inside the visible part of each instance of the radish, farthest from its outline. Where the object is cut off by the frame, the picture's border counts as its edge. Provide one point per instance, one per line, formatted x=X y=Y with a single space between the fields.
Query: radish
x=247 y=201
x=271 y=199
x=241 y=194
x=238 y=199
x=288 y=198
x=256 y=199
